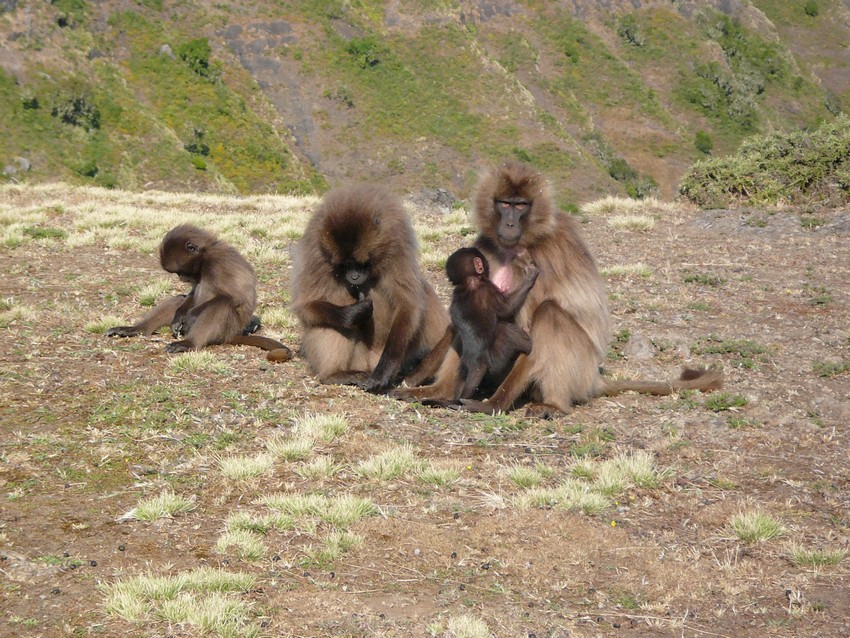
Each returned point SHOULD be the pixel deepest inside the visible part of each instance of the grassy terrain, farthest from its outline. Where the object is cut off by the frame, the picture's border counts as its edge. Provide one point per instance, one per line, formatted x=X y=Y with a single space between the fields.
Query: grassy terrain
x=216 y=494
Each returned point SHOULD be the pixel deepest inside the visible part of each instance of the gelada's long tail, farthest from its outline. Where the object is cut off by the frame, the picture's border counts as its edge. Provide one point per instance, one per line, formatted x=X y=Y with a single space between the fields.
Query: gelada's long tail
x=277 y=352
x=690 y=379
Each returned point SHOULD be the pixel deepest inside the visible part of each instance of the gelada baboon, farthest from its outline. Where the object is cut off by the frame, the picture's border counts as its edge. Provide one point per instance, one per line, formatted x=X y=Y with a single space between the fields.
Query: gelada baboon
x=566 y=312
x=482 y=316
x=220 y=304
x=366 y=312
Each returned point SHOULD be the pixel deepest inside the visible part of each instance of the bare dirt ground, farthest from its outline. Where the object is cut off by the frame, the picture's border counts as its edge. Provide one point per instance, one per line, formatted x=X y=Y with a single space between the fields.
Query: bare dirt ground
x=89 y=426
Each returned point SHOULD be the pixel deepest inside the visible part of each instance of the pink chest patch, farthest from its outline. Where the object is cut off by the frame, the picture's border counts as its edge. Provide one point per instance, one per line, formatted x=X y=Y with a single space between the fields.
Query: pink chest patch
x=503 y=278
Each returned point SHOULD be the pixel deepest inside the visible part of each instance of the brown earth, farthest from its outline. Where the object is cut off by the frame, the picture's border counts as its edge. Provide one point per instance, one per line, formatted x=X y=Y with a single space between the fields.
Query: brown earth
x=88 y=426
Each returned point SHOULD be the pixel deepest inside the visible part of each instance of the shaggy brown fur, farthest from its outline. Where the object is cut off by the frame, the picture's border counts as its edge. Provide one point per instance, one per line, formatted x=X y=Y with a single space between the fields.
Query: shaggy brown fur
x=219 y=305
x=366 y=312
x=566 y=312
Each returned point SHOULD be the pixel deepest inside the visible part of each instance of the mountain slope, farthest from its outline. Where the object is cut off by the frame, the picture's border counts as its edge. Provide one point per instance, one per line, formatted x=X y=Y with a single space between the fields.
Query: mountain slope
x=282 y=96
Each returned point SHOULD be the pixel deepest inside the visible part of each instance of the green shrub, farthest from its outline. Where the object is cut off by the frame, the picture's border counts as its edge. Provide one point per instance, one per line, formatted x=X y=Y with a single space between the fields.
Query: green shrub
x=831 y=368
x=367 y=51
x=196 y=54
x=797 y=167
x=75 y=105
x=703 y=142
x=197 y=146
x=620 y=170
x=71 y=12
x=86 y=168
x=730 y=93
x=811 y=8
x=341 y=94
x=630 y=31
x=29 y=102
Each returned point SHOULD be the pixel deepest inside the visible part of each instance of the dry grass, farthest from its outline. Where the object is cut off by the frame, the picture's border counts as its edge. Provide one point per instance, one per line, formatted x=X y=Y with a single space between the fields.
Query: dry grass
x=166 y=504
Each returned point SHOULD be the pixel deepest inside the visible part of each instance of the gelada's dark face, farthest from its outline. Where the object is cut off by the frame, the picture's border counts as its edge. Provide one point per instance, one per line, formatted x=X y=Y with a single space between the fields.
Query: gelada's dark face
x=182 y=257
x=346 y=249
x=513 y=214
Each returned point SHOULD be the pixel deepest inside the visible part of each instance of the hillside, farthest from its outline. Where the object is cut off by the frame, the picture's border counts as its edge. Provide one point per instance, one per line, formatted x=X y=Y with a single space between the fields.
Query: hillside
x=241 y=97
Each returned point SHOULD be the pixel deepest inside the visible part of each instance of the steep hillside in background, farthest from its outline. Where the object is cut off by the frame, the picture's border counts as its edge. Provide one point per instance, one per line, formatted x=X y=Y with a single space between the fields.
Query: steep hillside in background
x=614 y=97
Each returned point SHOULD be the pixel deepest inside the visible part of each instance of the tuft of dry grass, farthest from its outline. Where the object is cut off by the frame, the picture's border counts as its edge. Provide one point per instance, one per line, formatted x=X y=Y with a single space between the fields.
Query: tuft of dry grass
x=206 y=599
x=164 y=505
x=756 y=527
x=632 y=222
x=196 y=361
x=625 y=206
x=240 y=468
x=390 y=464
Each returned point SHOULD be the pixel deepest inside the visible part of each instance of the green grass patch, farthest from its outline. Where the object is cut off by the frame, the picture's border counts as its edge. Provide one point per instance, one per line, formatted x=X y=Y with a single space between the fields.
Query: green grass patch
x=240 y=468
x=390 y=464
x=831 y=368
x=321 y=467
x=196 y=361
x=324 y=427
x=723 y=401
x=245 y=544
x=41 y=232
x=593 y=484
x=439 y=475
x=333 y=546
x=206 y=599
x=747 y=353
x=289 y=447
x=815 y=558
x=338 y=511
x=756 y=527
x=703 y=279
x=166 y=504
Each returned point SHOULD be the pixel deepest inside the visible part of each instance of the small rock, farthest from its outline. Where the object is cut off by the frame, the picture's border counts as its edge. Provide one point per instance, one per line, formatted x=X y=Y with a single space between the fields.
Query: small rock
x=639 y=348
x=166 y=50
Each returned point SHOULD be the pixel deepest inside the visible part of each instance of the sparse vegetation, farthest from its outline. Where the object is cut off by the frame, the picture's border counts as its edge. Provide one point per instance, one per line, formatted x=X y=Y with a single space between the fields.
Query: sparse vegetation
x=831 y=368
x=703 y=279
x=749 y=353
x=722 y=401
x=626 y=270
